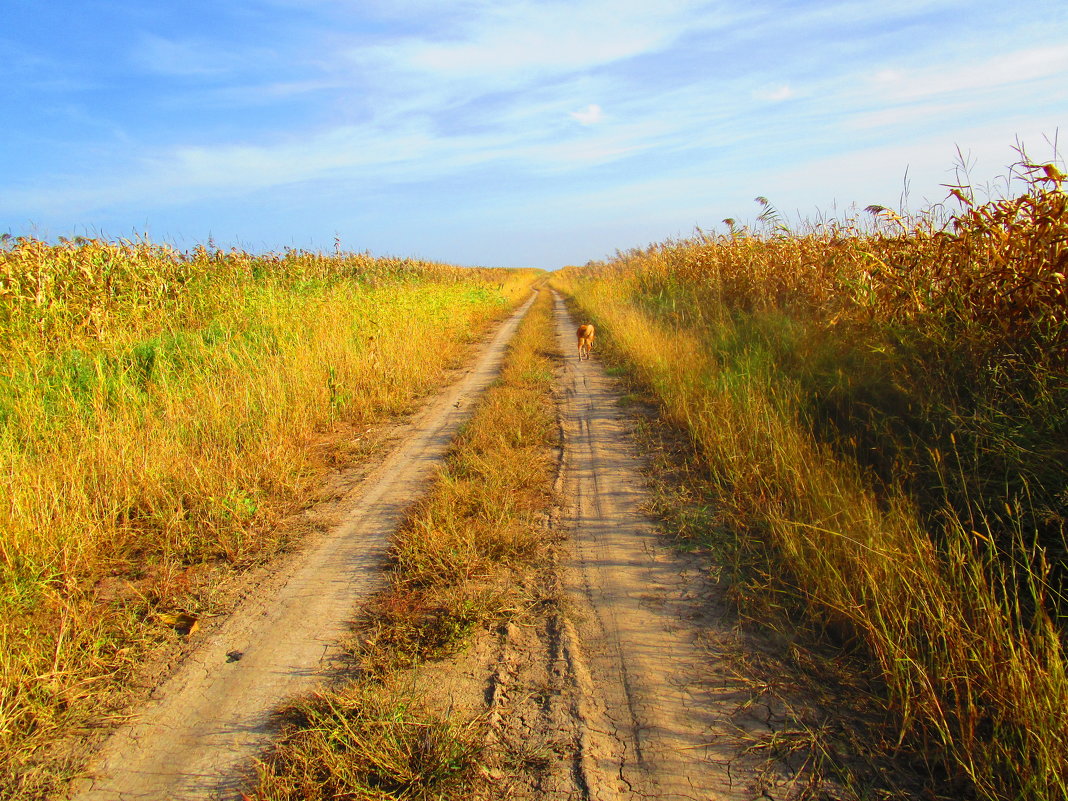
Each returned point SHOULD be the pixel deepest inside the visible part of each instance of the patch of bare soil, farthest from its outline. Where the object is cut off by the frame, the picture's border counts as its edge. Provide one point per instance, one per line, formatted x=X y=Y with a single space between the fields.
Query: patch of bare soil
x=624 y=678
x=197 y=735
x=628 y=691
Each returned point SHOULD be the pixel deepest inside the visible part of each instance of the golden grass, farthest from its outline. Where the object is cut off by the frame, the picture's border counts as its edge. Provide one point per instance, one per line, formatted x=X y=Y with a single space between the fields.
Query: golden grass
x=373 y=744
x=878 y=415
x=456 y=567
x=156 y=415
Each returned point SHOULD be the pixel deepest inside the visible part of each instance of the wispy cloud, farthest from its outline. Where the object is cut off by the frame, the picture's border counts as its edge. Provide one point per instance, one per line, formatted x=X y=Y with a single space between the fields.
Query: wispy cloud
x=494 y=98
x=167 y=56
x=520 y=41
x=590 y=115
x=774 y=95
x=1003 y=70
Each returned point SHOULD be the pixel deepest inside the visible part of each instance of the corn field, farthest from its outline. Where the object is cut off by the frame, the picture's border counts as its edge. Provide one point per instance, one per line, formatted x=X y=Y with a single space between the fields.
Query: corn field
x=161 y=413
x=881 y=408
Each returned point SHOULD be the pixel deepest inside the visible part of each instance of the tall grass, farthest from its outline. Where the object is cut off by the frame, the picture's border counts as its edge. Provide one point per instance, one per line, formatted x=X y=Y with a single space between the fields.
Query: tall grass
x=460 y=562
x=882 y=410
x=157 y=410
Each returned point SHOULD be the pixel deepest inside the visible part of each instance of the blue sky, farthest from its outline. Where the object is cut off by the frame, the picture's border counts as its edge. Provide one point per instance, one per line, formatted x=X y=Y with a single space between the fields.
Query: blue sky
x=504 y=132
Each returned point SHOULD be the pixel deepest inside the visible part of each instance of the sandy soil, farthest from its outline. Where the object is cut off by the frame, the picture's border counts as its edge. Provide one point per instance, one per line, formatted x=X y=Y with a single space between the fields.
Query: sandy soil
x=203 y=726
x=618 y=681
x=613 y=685
x=616 y=684
x=653 y=723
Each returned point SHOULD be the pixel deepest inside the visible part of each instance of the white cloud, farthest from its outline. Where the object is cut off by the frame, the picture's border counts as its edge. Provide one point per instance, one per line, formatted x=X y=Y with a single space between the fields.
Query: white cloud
x=182 y=57
x=1021 y=66
x=405 y=150
x=590 y=115
x=505 y=42
x=918 y=115
x=401 y=142
x=500 y=88
x=775 y=95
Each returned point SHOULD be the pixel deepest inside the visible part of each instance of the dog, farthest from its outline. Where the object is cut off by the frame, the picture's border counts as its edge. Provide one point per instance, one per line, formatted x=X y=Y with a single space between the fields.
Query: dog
x=585 y=340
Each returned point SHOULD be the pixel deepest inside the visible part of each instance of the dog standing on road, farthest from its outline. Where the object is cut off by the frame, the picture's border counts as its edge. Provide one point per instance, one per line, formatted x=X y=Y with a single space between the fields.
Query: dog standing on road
x=585 y=340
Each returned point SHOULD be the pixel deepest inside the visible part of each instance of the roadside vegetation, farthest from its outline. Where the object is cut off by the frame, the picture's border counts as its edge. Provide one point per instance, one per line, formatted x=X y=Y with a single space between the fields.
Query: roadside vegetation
x=160 y=413
x=879 y=410
x=457 y=566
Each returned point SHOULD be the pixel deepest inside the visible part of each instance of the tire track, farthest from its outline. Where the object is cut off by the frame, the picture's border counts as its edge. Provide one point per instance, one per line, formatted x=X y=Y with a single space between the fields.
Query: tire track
x=653 y=725
x=198 y=734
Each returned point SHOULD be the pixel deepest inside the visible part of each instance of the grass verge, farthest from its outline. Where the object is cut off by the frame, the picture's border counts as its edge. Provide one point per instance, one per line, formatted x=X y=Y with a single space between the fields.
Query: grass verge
x=878 y=416
x=160 y=414
x=455 y=568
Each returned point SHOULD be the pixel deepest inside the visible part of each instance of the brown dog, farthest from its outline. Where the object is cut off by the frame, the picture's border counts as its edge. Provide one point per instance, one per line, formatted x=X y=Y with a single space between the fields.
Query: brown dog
x=585 y=340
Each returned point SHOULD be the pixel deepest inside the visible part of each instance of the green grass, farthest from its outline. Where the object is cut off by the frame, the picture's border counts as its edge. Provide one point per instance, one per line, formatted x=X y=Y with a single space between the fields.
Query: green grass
x=160 y=414
x=372 y=744
x=457 y=567
x=882 y=447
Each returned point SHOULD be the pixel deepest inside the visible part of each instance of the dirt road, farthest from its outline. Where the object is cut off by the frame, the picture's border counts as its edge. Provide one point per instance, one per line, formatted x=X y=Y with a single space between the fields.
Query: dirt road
x=203 y=726
x=610 y=690
x=618 y=678
x=656 y=725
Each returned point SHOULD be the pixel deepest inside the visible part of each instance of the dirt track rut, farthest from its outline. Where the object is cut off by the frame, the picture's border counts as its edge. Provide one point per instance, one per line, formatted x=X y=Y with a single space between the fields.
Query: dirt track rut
x=202 y=727
x=653 y=718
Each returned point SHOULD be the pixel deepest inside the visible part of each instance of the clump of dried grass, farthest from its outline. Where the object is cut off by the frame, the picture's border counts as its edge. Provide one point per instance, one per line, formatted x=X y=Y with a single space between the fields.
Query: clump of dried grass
x=157 y=410
x=456 y=565
x=881 y=411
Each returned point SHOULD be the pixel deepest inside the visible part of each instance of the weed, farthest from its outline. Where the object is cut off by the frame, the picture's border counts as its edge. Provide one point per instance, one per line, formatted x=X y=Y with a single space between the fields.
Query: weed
x=456 y=565
x=881 y=413
x=371 y=744
x=157 y=412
